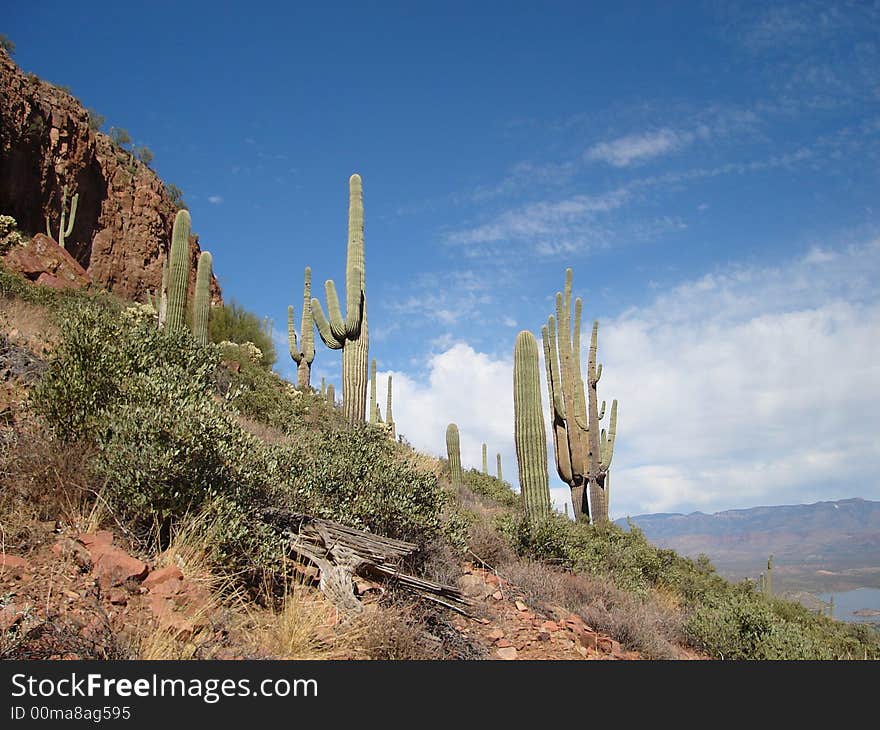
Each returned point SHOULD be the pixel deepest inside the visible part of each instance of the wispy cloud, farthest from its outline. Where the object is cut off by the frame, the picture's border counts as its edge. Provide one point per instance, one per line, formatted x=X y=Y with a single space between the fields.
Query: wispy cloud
x=637 y=148
x=215 y=199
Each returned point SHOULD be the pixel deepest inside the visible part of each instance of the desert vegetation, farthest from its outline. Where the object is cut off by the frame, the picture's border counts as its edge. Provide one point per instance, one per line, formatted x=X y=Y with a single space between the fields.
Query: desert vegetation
x=182 y=436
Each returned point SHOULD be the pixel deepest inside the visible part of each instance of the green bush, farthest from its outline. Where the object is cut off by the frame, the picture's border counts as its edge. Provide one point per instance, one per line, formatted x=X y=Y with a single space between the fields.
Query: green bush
x=168 y=445
x=233 y=323
x=491 y=487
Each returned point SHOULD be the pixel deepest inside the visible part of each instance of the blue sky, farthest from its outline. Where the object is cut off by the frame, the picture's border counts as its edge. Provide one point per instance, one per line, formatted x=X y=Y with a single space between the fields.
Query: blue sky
x=709 y=171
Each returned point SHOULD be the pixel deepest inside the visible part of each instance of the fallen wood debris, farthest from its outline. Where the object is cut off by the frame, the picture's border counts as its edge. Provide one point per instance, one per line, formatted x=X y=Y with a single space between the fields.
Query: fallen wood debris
x=341 y=552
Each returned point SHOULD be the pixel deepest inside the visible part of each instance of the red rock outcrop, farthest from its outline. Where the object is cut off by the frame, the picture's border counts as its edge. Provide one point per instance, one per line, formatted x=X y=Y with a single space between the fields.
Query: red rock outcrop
x=122 y=229
x=44 y=261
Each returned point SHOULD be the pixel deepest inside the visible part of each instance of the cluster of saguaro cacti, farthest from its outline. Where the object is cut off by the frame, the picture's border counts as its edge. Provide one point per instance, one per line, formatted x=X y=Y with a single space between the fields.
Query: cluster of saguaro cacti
x=305 y=356
x=202 y=302
x=69 y=214
x=349 y=333
x=583 y=451
x=453 y=452
x=529 y=434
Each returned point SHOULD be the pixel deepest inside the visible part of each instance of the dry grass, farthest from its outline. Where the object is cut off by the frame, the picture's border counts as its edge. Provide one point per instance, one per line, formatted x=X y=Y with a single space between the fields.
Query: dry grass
x=28 y=325
x=41 y=481
x=651 y=626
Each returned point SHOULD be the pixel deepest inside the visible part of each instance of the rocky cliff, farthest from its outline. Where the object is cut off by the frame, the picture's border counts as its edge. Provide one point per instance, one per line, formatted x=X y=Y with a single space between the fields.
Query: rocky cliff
x=122 y=229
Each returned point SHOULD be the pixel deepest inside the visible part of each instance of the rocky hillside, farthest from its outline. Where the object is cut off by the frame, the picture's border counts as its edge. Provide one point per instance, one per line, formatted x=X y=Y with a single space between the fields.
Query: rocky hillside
x=124 y=215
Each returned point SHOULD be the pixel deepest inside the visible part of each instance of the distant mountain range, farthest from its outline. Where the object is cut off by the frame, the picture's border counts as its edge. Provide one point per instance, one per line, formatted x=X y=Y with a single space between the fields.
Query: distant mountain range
x=820 y=547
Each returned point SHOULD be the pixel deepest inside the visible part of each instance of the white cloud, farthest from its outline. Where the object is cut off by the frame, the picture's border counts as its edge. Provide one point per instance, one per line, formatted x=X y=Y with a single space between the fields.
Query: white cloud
x=636 y=148
x=749 y=387
x=745 y=387
x=215 y=199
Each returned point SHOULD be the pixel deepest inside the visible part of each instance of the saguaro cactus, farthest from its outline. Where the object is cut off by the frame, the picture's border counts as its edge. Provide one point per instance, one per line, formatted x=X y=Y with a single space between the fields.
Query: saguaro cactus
x=498 y=459
x=331 y=394
x=202 y=303
x=375 y=413
x=178 y=276
x=485 y=461
x=306 y=356
x=769 y=583
x=529 y=434
x=389 y=419
x=349 y=333
x=583 y=452
x=453 y=452
x=62 y=231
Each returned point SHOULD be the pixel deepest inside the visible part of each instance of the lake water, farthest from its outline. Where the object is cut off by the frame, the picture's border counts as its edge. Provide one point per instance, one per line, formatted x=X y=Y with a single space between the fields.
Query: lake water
x=846 y=602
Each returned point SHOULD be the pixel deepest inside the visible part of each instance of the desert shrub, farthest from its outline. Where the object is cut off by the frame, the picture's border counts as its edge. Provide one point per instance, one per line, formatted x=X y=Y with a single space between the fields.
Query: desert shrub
x=119 y=137
x=491 y=487
x=355 y=476
x=9 y=234
x=96 y=120
x=233 y=323
x=106 y=361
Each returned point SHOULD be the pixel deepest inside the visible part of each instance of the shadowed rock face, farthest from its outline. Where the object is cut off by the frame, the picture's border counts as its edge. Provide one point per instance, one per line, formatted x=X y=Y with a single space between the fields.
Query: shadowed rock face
x=124 y=216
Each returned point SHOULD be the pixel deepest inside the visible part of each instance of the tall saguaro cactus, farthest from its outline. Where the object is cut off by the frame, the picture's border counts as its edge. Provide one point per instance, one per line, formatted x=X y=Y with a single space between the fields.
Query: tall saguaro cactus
x=498 y=459
x=202 y=303
x=62 y=231
x=485 y=460
x=178 y=275
x=529 y=434
x=306 y=356
x=389 y=419
x=349 y=333
x=583 y=451
x=453 y=452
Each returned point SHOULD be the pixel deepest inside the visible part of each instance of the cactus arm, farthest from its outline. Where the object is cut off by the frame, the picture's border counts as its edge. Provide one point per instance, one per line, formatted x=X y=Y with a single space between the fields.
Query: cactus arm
x=72 y=217
x=292 y=344
x=324 y=330
x=334 y=311
x=602 y=411
x=608 y=445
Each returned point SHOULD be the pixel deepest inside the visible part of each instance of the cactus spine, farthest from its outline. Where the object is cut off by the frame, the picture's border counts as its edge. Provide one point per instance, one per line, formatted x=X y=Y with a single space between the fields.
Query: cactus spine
x=350 y=333
x=303 y=357
x=498 y=460
x=529 y=434
x=389 y=419
x=485 y=461
x=583 y=454
x=202 y=303
x=178 y=276
x=62 y=231
x=453 y=451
